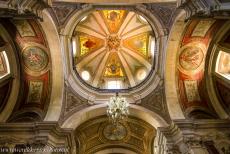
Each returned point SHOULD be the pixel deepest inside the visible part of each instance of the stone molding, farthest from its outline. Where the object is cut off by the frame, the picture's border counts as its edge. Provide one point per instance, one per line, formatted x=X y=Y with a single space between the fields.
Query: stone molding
x=38 y=134
x=165 y=13
x=189 y=135
x=23 y=8
x=204 y=8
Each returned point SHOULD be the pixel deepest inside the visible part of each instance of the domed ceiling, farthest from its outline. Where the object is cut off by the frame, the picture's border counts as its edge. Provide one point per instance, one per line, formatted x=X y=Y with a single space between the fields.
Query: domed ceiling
x=113 y=49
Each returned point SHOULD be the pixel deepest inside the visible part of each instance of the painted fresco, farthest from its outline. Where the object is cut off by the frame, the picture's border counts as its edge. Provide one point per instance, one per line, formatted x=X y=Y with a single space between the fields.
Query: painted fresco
x=89 y=44
x=36 y=71
x=138 y=43
x=35 y=91
x=202 y=27
x=113 y=67
x=113 y=19
x=24 y=28
x=191 y=90
x=104 y=34
x=35 y=58
x=191 y=58
x=114 y=134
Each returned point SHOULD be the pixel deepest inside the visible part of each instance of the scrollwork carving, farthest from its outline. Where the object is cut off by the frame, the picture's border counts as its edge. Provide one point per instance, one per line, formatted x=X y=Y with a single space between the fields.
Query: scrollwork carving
x=164 y=12
x=155 y=101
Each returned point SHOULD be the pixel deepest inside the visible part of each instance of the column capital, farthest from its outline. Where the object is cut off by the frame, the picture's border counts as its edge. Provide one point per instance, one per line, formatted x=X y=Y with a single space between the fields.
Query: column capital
x=172 y=149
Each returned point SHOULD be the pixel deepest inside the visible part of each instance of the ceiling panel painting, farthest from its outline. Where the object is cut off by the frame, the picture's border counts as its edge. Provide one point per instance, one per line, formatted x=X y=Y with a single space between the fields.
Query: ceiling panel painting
x=138 y=43
x=113 y=67
x=113 y=19
x=89 y=43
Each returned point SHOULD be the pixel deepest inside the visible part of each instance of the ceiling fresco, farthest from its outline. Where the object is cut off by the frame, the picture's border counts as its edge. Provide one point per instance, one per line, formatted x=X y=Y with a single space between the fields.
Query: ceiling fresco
x=35 y=68
x=191 y=67
x=113 y=46
x=98 y=134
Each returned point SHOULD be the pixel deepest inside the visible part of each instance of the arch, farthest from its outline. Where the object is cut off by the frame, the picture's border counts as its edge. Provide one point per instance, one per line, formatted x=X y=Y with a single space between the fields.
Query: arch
x=173 y=44
x=97 y=110
x=211 y=57
x=52 y=36
x=14 y=73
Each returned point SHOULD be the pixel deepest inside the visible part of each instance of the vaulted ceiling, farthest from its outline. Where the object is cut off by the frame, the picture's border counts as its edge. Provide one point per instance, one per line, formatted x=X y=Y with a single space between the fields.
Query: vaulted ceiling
x=99 y=134
x=113 y=45
x=179 y=70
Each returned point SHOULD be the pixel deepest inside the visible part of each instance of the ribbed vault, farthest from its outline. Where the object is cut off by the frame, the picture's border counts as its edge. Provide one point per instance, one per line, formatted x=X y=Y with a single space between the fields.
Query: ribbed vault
x=113 y=49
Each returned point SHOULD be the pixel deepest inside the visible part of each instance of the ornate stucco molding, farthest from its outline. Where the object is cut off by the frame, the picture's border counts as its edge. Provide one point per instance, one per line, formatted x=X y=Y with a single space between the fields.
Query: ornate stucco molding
x=155 y=102
x=193 y=136
x=204 y=8
x=36 y=135
x=23 y=8
x=165 y=13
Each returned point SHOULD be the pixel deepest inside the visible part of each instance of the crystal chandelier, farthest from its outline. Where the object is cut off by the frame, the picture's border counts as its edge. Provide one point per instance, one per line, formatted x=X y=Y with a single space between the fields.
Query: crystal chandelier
x=118 y=109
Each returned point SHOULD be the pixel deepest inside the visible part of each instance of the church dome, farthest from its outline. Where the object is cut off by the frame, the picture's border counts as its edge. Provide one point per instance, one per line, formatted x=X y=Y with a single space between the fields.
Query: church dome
x=113 y=49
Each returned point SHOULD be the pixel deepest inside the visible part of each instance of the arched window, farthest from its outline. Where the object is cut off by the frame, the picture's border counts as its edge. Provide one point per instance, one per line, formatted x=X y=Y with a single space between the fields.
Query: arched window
x=4 y=65
x=223 y=64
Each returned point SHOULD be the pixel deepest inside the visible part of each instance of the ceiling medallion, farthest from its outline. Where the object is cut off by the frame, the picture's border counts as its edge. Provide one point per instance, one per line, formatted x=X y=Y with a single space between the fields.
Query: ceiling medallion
x=115 y=133
x=35 y=58
x=191 y=58
x=113 y=42
x=118 y=109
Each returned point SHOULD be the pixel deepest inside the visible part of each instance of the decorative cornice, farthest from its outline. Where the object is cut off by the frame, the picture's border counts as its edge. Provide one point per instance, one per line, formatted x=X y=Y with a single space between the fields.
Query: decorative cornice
x=204 y=8
x=23 y=8
x=36 y=134
x=195 y=134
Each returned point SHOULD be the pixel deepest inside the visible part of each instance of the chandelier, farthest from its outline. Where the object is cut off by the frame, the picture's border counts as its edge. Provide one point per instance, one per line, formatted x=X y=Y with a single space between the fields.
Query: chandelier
x=118 y=109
